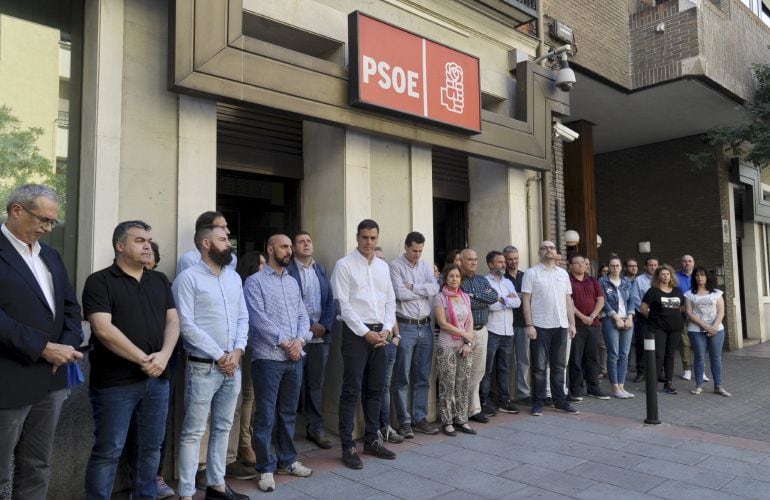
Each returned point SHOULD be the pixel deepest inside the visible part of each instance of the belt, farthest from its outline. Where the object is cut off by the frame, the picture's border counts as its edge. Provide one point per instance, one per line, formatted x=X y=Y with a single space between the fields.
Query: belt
x=478 y=327
x=201 y=360
x=411 y=321
x=375 y=327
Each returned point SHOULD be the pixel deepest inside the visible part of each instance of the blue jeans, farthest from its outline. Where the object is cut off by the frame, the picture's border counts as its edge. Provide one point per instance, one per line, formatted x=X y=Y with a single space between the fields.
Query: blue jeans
x=698 y=340
x=413 y=360
x=499 y=354
x=549 y=349
x=522 y=361
x=277 y=386
x=206 y=390
x=113 y=408
x=618 y=346
x=390 y=361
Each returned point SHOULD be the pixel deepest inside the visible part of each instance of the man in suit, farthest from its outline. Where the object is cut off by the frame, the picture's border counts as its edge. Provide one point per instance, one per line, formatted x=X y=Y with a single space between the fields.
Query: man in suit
x=39 y=330
x=317 y=294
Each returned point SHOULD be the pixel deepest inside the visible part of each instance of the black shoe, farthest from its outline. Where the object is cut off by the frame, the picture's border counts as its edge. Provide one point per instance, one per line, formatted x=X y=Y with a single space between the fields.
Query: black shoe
x=508 y=407
x=449 y=430
x=480 y=418
x=351 y=459
x=406 y=431
x=424 y=427
x=466 y=429
x=526 y=401
x=238 y=470
x=599 y=395
x=320 y=440
x=639 y=378
x=488 y=410
x=200 y=479
x=228 y=494
x=376 y=448
x=566 y=407
x=549 y=401
x=574 y=399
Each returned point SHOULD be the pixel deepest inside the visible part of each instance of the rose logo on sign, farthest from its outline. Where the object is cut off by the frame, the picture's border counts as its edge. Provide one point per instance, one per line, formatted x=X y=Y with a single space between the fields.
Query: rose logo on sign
x=452 y=96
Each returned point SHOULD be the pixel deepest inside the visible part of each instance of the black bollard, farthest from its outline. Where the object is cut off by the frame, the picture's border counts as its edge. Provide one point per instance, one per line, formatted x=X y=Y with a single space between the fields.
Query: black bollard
x=652 y=379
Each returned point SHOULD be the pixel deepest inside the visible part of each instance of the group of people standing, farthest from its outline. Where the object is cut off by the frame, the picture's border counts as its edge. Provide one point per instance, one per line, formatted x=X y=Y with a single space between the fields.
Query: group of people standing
x=256 y=339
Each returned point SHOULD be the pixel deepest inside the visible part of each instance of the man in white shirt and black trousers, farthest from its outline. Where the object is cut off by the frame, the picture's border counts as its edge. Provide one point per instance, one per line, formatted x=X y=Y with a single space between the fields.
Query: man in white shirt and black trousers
x=361 y=283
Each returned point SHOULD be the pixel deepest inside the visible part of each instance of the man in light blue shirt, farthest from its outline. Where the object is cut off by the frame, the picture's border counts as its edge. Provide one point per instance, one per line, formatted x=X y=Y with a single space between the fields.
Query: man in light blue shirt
x=189 y=259
x=214 y=326
x=279 y=330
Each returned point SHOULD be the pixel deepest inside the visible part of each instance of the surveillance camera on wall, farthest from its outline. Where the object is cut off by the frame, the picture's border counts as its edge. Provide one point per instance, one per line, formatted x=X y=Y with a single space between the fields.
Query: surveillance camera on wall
x=566 y=133
x=565 y=79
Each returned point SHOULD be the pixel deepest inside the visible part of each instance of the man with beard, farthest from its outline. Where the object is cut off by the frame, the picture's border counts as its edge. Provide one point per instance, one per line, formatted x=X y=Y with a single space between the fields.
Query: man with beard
x=214 y=327
x=280 y=327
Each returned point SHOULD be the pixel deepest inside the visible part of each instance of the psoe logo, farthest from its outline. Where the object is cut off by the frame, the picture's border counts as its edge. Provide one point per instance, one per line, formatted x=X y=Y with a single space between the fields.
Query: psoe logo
x=452 y=94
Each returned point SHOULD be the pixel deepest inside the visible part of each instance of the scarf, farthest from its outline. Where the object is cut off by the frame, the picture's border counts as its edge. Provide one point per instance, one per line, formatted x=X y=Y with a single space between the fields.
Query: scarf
x=451 y=310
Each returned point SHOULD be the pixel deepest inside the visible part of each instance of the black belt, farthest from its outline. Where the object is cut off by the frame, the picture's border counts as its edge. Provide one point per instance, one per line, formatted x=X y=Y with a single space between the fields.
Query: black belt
x=410 y=321
x=478 y=327
x=375 y=327
x=201 y=360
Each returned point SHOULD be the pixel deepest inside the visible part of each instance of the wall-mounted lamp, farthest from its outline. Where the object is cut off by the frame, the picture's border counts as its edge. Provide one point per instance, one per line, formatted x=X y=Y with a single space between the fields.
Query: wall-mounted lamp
x=565 y=77
x=571 y=237
x=598 y=241
x=644 y=247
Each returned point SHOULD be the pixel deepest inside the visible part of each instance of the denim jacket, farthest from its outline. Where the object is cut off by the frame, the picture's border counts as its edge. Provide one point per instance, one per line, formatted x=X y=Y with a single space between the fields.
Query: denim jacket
x=613 y=294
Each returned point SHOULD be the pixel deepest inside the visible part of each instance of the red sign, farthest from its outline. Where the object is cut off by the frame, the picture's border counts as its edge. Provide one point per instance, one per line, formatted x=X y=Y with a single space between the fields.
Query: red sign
x=394 y=70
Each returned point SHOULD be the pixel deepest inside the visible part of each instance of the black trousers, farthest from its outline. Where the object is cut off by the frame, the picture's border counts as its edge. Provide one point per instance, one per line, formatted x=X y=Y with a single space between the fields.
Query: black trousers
x=363 y=374
x=640 y=330
x=666 y=344
x=584 y=360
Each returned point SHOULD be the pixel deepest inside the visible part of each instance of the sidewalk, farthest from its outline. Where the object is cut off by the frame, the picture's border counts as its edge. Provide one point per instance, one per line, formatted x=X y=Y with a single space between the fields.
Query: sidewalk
x=707 y=447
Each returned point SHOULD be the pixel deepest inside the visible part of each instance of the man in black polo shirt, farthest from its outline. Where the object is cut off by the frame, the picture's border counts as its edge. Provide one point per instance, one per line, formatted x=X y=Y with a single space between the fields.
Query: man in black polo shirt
x=134 y=328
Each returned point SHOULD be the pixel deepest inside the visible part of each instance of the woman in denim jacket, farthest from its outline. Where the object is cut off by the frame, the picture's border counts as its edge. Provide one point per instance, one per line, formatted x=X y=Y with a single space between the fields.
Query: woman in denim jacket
x=617 y=325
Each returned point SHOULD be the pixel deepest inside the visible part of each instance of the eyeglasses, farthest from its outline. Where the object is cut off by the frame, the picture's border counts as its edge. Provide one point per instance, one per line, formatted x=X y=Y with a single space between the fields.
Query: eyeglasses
x=44 y=221
x=551 y=247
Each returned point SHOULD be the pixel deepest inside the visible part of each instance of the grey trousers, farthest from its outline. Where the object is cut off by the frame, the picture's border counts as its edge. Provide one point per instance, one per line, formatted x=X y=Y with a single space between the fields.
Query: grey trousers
x=26 y=436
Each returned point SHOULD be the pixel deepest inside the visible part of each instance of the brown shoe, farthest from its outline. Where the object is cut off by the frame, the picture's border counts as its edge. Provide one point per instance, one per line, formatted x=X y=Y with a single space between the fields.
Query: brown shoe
x=246 y=455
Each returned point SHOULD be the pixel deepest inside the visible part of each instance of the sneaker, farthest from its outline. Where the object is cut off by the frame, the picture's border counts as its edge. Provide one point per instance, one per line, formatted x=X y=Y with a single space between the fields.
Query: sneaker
x=566 y=407
x=238 y=470
x=526 y=401
x=574 y=399
x=549 y=401
x=424 y=427
x=406 y=431
x=389 y=435
x=537 y=409
x=628 y=394
x=619 y=395
x=376 y=448
x=480 y=418
x=351 y=459
x=266 y=482
x=508 y=407
x=488 y=410
x=669 y=389
x=598 y=395
x=295 y=469
x=705 y=378
x=687 y=375
x=164 y=490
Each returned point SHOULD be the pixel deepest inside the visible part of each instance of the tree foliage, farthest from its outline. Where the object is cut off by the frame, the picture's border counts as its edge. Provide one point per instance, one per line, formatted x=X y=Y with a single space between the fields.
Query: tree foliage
x=750 y=140
x=20 y=158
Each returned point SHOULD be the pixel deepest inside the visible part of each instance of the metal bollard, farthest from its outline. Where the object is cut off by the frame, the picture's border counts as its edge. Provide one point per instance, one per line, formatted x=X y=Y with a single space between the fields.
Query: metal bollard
x=652 y=379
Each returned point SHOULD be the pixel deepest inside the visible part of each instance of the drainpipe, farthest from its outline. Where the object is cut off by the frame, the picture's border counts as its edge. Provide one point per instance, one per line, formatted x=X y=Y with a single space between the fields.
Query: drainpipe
x=546 y=177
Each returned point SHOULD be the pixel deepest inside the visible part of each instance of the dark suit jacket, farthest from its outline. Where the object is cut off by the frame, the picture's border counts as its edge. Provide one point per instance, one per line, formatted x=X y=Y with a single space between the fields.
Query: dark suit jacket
x=327 y=298
x=27 y=324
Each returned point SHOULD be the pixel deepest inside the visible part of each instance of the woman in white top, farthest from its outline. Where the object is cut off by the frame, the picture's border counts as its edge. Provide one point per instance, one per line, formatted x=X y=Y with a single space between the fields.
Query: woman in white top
x=705 y=308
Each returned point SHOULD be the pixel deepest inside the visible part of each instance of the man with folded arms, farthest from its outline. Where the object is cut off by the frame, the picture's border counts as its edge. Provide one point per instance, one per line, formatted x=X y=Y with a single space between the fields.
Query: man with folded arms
x=361 y=283
x=214 y=325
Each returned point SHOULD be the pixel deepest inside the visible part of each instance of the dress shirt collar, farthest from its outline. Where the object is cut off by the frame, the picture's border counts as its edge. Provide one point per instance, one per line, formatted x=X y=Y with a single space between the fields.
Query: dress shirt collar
x=406 y=261
x=23 y=248
x=301 y=265
x=368 y=262
x=269 y=270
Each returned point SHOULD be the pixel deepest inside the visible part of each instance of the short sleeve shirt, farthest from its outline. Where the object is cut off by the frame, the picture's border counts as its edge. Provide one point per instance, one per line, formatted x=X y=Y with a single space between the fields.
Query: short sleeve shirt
x=705 y=307
x=665 y=309
x=549 y=289
x=138 y=309
x=585 y=293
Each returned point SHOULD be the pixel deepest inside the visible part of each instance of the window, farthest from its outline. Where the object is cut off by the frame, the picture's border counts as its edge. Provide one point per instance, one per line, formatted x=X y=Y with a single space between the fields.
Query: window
x=40 y=62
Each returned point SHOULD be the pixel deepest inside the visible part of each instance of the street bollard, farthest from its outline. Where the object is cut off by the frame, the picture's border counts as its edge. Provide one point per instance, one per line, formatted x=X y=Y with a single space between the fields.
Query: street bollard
x=652 y=379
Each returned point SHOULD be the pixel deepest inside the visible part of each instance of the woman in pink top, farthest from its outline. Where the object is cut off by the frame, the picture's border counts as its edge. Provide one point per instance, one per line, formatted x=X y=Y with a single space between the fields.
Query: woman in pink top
x=455 y=342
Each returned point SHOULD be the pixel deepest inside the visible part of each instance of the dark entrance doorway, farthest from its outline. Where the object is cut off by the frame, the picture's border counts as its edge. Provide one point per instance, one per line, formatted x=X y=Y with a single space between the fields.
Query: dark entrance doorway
x=257 y=206
x=450 y=227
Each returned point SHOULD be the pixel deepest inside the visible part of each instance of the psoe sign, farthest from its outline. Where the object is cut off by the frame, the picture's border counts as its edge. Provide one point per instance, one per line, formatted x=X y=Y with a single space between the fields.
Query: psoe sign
x=398 y=71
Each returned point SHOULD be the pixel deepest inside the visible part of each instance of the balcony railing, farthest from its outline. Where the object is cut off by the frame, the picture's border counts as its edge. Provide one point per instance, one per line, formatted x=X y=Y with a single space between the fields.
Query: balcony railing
x=520 y=11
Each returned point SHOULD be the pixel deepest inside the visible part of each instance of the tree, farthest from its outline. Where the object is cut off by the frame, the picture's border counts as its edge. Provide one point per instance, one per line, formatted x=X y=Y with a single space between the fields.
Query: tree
x=20 y=158
x=750 y=140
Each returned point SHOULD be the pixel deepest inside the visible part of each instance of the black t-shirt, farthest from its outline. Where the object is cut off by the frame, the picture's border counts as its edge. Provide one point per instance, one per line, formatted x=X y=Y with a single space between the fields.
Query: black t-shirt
x=518 y=313
x=138 y=310
x=665 y=309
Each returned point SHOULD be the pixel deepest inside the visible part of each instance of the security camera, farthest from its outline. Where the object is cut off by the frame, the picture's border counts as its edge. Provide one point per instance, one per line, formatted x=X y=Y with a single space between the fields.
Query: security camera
x=565 y=79
x=566 y=133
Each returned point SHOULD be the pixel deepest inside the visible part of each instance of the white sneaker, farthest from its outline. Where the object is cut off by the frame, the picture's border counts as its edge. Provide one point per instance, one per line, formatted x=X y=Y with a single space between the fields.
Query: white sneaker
x=619 y=395
x=628 y=394
x=705 y=378
x=266 y=482
x=295 y=469
x=687 y=375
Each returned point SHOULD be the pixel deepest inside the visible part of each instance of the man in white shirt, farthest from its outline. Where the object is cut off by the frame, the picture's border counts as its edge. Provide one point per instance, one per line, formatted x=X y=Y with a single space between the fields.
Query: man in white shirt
x=550 y=316
x=500 y=340
x=361 y=283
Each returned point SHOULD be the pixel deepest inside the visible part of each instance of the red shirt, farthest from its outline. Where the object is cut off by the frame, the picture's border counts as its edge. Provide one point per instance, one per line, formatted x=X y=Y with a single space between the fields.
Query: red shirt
x=585 y=293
